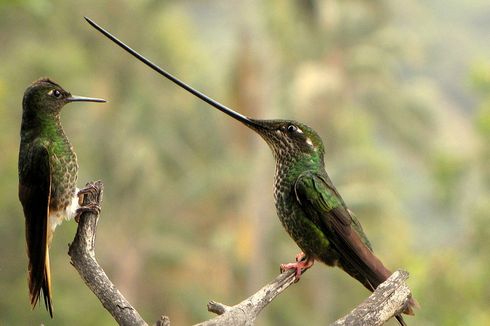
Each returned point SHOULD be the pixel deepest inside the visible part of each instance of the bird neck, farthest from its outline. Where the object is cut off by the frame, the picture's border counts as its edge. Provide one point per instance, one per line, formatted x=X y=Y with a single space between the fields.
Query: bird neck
x=45 y=126
x=289 y=168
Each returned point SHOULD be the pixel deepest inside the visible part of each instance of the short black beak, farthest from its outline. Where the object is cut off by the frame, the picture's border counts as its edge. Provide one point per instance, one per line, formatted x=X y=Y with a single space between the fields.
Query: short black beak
x=75 y=98
x=240 y=117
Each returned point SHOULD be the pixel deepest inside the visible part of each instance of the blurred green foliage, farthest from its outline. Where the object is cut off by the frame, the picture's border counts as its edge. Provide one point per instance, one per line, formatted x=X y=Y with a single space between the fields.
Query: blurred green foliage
x=399 y=91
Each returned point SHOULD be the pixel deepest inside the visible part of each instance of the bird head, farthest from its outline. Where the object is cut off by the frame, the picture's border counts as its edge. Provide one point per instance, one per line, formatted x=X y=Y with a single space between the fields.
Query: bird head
x=45 y=97
x=288 y=138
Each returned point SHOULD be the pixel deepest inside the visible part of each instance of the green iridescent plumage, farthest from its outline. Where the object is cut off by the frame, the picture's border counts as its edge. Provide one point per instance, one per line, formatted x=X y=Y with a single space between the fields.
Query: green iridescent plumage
x=311 y=209
x=308 y=205
x=48 y=171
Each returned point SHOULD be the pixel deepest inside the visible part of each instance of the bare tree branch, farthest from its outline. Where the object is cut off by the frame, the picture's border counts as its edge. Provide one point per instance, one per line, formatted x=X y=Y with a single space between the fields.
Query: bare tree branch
x=82 y=253
x=247 y=311
x=389 y=299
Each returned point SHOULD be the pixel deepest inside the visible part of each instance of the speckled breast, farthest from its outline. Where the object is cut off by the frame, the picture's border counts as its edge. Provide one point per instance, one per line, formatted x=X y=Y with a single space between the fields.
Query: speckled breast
x=64 y=173
x=294 y=219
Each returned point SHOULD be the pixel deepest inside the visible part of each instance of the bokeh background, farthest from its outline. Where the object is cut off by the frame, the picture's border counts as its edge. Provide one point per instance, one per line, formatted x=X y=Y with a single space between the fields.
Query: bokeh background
x=399 y=91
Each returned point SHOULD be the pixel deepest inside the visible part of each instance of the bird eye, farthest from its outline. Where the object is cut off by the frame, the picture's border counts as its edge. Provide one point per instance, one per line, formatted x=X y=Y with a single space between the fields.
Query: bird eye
x=292 y=128
x=54 y=92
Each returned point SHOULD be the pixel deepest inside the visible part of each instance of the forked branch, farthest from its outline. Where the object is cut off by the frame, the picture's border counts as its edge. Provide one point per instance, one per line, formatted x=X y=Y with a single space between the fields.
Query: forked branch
x=247 y=311
x=388 y=300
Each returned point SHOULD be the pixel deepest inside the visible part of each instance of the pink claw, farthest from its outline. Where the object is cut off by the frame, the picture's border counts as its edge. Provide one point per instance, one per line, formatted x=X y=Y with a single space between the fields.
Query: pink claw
x=302 y=263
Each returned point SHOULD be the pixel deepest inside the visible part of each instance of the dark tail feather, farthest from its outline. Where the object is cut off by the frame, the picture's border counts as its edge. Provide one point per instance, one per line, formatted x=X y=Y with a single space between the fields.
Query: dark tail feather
x=376 y=274
x=40 y=277
x=47 y=286
x=400 y=320
x=412 y=304
x=373 y=278
x=356 y=255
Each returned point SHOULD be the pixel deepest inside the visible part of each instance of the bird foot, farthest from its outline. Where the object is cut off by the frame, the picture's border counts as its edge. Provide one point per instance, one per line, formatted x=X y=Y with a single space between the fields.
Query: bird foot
x=89 y=189
x=92 y=189
x=91 y=208
x=302 y=263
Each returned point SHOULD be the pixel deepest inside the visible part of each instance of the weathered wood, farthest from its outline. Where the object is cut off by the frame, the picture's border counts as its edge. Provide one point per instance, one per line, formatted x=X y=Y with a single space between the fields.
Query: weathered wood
x=245 y=312
x=82 y=253
x=389 y=299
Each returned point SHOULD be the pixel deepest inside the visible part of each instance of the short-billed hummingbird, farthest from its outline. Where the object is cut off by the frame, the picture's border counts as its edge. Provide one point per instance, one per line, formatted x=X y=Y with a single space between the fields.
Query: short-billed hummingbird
x=48 y=172
x=308 y=204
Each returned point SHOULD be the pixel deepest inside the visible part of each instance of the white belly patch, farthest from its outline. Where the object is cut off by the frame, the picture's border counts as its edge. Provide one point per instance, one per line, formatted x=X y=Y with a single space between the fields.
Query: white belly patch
x=55 y=218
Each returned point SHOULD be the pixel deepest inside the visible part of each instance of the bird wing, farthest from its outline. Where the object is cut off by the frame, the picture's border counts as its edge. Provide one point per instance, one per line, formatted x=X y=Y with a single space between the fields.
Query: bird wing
x=34 y=194
x=324 y=206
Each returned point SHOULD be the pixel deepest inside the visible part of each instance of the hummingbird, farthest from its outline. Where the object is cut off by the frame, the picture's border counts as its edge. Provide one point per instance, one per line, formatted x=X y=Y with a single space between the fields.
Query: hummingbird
x=308 y=205
x=48 y=170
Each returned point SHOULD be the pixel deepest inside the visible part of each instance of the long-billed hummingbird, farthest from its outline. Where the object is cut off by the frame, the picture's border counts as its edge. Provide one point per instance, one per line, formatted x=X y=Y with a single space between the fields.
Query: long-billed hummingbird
x=308 y=204
x=48 y=172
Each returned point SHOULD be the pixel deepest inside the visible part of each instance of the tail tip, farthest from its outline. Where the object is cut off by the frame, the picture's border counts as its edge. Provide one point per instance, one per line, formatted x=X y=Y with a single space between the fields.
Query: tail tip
x=412 y=304
x=34 y=299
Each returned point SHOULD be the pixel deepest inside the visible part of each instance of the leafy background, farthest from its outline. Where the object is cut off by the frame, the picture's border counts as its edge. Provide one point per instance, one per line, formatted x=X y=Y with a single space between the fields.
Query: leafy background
x=399 y=91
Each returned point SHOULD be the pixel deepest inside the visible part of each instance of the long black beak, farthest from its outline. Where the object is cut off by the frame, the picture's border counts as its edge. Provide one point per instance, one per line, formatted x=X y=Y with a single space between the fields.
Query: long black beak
x=75 y=98
x=240 y=117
